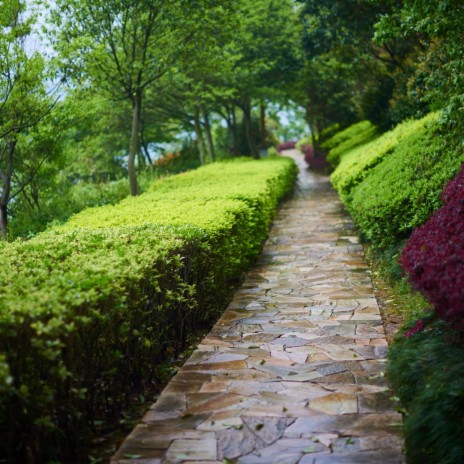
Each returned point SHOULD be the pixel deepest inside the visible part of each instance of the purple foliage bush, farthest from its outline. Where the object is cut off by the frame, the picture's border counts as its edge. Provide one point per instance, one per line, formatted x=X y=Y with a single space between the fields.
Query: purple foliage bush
x=434 y=255
x=286 y=146
x=317 y=161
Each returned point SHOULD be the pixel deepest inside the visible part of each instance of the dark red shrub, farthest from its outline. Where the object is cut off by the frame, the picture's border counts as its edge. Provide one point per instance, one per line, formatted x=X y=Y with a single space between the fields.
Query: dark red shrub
x=285 y=146
x=434 y=255
x=317 y=161
x=455 y=188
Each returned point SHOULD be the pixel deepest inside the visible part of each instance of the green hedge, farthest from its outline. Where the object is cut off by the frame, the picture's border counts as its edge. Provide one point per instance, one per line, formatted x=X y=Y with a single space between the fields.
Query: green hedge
x=393 y=183
x=426 y=372
x=89 y=309
x=346 y=134
x=355 y=164
x=346 y=140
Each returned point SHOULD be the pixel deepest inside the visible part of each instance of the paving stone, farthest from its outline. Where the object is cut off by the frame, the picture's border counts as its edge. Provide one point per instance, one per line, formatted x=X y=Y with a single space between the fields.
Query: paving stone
x=269 y=429
x=195 y=450
x=293 y=372
x=368 y=457
x=335 y=404
x=233 y=443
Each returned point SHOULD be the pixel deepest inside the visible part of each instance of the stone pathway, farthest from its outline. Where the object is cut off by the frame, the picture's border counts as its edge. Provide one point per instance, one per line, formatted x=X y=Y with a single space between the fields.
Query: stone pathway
x=293 y=372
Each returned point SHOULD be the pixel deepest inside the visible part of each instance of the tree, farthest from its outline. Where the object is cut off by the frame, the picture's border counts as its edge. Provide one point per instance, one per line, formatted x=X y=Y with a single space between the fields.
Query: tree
x=342 y=31
x=122 y=47
x=24 y=103
x=269 y=50
x=437 y=76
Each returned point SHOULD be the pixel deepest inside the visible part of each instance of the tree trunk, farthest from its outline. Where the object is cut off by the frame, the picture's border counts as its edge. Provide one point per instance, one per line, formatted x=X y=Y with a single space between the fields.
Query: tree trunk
x=3 y=221
x=209 y=137
x=263 y=125
x=235 y=148
x=144 y=145
x=6 y=188
x=134 y=143
x=200 y=142
x=312 y=129
x=249 y=130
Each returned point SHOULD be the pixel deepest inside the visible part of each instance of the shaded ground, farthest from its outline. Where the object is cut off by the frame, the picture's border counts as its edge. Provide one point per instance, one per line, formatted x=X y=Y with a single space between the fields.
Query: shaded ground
x=293 y=371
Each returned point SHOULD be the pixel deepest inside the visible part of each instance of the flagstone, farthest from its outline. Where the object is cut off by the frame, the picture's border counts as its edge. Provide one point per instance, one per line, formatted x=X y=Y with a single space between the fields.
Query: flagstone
x=232 y=443
x=335 y=404
x=202 y=449
x=293 y=372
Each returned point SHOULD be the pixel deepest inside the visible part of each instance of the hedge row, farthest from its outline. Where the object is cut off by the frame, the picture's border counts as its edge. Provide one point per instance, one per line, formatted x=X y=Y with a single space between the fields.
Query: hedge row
x=434 y=256
x=346 y=140
x=392 y=188
x=392 y=184
x=89 y=309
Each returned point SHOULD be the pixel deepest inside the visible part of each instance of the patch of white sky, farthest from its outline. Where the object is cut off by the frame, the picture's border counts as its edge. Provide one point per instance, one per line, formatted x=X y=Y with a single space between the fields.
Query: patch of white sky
x=37 y=40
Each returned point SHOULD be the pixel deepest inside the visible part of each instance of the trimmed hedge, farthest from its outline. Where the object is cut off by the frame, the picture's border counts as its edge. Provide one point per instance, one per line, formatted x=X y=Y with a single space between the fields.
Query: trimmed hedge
x=355 y=164
x=426 y=371
x=346 y=140
x=393 y=184
x=434 y=256
x=89 y=309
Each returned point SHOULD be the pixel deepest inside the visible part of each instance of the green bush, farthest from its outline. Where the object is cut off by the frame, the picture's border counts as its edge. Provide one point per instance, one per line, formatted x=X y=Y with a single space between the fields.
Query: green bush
x=90 y=308
x=393 y=184
x=390 y=186
x=425 y=369
x=346 y=134
x=355 y=135
x=356 y=164
x=402 y=191
x=304 y=141
x=59 y=201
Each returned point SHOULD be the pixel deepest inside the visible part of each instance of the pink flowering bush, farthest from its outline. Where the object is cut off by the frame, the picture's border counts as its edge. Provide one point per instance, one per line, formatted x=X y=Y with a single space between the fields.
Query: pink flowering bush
x=315 y=160
x=413 y=330
x=286 y=146
x=434 y=255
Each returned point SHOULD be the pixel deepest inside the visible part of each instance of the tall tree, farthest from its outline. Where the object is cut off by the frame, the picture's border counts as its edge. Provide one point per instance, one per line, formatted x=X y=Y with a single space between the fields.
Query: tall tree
x=24 y=102
x=124 y=46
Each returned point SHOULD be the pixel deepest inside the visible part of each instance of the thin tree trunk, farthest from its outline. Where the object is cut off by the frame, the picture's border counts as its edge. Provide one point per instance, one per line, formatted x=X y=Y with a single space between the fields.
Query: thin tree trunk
x=200 y=142
x=209 y=137
x=312 y=129
x=144 y=146
x=262 y=109
x=236 y=150
x=134 y=143
x=6 y=189
x=249 y=130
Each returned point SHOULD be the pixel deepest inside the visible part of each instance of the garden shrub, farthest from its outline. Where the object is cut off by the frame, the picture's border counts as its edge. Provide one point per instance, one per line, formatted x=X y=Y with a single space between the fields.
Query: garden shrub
x=425 y=369
x=304 y=141
x=285 y=146
x=90 y=308
x=353 y=136
x=390 y=194
x=434 y=255
x=342 y=136
x=355 y=164
x=315 y=160
x=392 y=185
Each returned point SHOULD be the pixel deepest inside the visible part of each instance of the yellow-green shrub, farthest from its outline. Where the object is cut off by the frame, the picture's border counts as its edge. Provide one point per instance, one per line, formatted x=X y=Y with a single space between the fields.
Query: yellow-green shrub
x=346 y=140
x=89 y=309
x=355 y=164
x=392 y=184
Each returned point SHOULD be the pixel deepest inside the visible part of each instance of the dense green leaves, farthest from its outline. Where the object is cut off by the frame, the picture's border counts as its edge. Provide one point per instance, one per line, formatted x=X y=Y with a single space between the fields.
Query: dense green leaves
x=25 y=103
x=393 y=183
x=88 y=309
